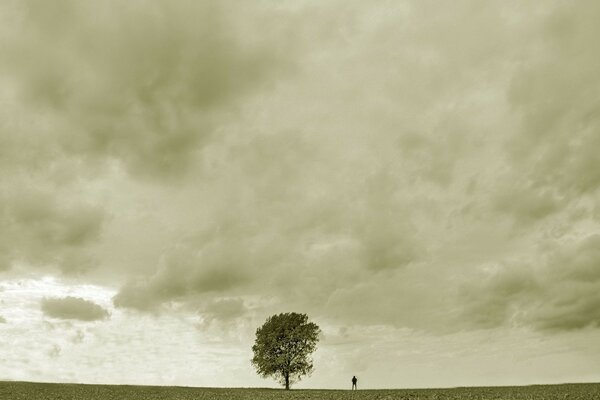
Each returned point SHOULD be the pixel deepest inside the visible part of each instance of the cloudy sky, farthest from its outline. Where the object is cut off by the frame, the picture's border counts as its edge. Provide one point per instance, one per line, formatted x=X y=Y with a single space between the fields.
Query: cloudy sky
x=421 y=178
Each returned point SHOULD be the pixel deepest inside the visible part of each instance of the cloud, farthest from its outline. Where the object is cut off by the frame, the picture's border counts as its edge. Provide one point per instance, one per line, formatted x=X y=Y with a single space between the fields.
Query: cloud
x=549 y=184
x=44 y=229
x=2 y=320
x=526 y=203
x=497 y=298
x=73 y=308
x=229 y=314
x=142 y=85
x=283 y=188
x=309 y=190
x=302 y=220
x=186 y=272
x=215 y=160
x=555 y=103
x=225 y=309
x=558 y=294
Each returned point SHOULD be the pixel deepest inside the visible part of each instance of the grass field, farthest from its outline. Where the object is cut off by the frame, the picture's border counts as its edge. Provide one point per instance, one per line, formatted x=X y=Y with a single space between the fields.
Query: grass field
x=51 y=391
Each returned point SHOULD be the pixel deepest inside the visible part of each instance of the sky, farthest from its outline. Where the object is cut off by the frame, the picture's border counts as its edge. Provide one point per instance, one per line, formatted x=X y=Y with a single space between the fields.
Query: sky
x=420 y=178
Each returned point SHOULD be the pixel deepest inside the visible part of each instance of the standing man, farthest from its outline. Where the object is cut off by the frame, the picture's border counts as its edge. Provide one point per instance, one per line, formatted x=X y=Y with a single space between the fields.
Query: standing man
x=354 y=380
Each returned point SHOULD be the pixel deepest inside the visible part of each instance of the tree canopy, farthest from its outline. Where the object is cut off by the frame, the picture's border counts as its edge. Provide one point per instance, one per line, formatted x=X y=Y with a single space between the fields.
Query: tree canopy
x=283 y=347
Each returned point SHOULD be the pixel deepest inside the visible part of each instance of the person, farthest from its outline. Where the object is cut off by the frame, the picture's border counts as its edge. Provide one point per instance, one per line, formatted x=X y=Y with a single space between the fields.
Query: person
x=354 y=380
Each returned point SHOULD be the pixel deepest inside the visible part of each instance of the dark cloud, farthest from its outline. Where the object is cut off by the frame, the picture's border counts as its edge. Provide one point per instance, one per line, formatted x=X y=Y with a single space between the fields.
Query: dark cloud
x=576 y=309
x=185 y=272
x=73 y=308
x=553 y=95
x=142 y=85
x=2 y=320
x=44 y=229
x=496 y=299
x=526 y=203
x=560 y=293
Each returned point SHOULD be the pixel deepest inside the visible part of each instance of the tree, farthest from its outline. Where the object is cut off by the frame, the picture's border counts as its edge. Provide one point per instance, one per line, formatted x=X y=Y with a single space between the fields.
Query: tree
x=283 y=346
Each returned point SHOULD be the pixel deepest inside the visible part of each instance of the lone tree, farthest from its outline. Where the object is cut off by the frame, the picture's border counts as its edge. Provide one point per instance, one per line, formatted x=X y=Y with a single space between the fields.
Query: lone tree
x=283 y=346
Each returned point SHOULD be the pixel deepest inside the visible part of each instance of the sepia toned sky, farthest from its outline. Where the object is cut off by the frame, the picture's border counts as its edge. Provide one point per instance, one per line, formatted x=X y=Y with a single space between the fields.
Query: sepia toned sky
x=421 y=178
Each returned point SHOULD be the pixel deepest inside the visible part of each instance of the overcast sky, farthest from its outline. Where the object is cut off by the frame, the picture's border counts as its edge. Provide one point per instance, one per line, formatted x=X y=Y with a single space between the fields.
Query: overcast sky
x=420 y=177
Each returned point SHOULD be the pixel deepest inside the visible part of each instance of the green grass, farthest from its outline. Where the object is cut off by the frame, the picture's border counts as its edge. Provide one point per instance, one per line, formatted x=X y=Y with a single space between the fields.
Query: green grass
x=51 y=391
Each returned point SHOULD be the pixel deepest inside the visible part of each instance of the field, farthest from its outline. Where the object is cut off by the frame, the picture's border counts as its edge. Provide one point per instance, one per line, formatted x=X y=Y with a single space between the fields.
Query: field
x=51 y=391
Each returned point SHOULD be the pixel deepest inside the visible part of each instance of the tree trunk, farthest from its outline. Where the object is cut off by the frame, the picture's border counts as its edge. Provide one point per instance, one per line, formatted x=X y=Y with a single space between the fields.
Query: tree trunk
x=287 y=381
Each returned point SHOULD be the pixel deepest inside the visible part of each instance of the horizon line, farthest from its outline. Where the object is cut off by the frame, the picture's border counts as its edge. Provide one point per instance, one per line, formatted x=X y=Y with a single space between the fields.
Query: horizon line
x=281 y=388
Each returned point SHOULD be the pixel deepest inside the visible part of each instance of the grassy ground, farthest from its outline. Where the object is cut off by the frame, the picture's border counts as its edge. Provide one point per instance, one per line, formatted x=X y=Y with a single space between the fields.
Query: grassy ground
x=51 y=391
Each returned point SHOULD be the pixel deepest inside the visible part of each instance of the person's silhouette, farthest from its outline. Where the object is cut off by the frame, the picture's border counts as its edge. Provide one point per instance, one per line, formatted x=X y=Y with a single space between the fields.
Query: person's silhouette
x=354 y=380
